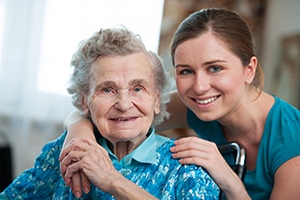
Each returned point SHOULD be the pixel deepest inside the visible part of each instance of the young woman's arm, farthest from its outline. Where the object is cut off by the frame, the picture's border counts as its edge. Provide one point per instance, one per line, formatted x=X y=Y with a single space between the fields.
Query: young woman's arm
x=78 y=125
x=286 y=181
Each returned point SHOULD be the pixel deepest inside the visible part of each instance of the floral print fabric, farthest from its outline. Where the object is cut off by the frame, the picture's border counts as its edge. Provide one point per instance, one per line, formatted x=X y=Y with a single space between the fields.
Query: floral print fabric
x=166 y=180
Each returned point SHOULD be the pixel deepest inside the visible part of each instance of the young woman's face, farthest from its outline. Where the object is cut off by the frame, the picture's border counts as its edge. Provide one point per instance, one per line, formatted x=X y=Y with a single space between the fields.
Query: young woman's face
x=211 y=80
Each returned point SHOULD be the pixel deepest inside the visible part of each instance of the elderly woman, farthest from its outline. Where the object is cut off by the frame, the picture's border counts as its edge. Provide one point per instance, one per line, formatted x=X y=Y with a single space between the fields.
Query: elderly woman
x=121 y=87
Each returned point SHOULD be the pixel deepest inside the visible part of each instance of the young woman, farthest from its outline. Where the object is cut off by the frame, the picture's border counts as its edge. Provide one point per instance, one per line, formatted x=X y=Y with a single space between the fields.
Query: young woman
x=219 y=82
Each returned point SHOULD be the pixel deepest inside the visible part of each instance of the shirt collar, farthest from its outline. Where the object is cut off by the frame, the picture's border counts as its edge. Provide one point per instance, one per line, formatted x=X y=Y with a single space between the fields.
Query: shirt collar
x=144 y=153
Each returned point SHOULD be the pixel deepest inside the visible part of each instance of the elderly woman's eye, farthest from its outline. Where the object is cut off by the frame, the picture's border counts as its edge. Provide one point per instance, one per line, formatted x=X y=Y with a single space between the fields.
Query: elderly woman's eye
x=137 y=89
x=107 y=90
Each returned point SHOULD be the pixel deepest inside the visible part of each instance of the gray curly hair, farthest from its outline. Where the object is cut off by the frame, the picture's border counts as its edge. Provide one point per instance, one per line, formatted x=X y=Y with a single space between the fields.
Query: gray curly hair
x=114 y=42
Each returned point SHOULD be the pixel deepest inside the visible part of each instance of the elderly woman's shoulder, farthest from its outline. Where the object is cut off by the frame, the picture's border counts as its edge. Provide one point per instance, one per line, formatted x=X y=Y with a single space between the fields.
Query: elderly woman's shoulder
x=184 y=176
x=50 y=152
x=164 y=156
x=56 y=144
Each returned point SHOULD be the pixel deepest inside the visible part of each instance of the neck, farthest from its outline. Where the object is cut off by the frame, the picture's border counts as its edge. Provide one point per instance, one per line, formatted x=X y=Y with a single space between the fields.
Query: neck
x=123 y=148
x=246 y=123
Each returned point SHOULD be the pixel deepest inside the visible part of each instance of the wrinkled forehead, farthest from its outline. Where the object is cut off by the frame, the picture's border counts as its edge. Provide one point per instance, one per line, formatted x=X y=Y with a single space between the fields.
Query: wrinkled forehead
x=129 y=69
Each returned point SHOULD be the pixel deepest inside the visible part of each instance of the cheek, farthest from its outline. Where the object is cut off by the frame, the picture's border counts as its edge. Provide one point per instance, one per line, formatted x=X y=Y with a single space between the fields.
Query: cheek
x=230 y=84
x=98 y=107
x=145 y=105
x=183 y=85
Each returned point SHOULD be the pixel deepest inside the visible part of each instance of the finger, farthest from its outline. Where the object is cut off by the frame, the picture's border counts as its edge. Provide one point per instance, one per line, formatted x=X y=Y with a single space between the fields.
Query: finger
x=76 y=182
x=85 y=183
x=72 y=157
x=81 y=143
x=186 y=139
x=63 y=171
x=213 y=163
x=195 y=161
x=186 y=146
x=193 y=140
x=66 y=150
x=71 y=169
x=191 y=153
x=194 y=143
x=70 y=185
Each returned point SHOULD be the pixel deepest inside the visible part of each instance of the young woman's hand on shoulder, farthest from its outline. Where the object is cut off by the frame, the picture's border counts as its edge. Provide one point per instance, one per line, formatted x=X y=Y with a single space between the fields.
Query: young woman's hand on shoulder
x=193 y=150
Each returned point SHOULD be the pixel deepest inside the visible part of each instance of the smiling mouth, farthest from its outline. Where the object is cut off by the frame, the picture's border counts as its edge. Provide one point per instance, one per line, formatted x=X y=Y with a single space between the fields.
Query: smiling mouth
x=206 y=101
x=122 y=119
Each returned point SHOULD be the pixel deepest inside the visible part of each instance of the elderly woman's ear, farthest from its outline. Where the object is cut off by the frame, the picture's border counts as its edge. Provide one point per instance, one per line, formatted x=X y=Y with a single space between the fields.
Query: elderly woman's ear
x=84 y=105
x=157 y=105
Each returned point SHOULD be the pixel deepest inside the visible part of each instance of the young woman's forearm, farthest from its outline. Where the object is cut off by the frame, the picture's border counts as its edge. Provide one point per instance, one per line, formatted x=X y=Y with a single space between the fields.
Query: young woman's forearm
x=236 y=191
x=78 y=125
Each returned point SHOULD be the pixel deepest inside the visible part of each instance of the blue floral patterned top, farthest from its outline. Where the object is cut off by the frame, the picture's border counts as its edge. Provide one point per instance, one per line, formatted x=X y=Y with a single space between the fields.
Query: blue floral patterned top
x=165 y=178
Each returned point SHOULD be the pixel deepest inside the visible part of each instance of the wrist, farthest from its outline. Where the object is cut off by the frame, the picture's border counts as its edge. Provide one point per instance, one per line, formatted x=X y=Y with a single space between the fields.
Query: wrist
x=123 y=189
x=233 y=187
x=119 y=188
x=236 y=191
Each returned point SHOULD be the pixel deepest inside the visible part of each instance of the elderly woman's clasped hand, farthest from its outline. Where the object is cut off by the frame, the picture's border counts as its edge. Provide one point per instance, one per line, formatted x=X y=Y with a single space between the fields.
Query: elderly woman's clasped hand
x=87 y=156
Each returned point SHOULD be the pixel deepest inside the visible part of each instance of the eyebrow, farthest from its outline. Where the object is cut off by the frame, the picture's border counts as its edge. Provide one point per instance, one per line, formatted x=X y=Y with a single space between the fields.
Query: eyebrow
x=140 y=82
x=213 y=61
x=204 y=64
x=113 y=84
x=104 y=85
x=182 y=66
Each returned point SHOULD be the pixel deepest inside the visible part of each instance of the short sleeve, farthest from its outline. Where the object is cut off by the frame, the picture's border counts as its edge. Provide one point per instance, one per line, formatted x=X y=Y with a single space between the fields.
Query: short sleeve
x=284 y=144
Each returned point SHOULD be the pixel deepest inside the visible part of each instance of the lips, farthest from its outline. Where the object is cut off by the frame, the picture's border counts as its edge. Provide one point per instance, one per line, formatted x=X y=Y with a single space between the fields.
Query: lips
x=123 y=119
x=206 y=101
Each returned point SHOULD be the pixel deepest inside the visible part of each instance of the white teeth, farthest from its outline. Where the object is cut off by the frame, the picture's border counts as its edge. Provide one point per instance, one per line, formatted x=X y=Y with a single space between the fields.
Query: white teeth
x=120 y=119
x=206 y=100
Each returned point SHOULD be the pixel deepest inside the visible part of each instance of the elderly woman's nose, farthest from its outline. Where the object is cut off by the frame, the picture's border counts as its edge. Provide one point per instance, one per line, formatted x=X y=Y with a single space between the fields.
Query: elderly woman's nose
x=124 y=100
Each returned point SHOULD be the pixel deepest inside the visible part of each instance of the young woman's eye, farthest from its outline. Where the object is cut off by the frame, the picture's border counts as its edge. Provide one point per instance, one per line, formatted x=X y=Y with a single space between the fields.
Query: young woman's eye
x=214 y=69
x=186 y=72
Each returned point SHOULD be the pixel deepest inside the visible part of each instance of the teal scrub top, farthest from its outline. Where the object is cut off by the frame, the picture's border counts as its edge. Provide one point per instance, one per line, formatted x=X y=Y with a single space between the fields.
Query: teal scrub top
x=279 y=143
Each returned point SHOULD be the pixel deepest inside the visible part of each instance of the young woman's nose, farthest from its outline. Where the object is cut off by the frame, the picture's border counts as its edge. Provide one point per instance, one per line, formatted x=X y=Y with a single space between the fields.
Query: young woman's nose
x=201 y=84
x=124 y=100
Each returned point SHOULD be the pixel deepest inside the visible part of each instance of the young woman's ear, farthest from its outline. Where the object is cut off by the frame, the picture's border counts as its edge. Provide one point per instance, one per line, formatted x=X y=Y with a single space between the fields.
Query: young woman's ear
x=250 y=70
x=84 y=105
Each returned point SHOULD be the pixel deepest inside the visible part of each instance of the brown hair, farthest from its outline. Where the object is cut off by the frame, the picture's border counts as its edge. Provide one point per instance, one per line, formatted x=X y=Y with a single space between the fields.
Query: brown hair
x=226 y=25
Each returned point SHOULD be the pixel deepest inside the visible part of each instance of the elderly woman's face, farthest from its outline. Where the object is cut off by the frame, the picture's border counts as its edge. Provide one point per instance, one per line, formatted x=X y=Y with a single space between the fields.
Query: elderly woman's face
x=122 y=99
